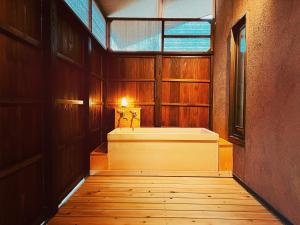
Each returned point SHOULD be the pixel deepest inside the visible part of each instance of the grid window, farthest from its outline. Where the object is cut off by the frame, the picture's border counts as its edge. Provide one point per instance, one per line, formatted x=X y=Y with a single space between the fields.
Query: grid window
x=135 y=35
x=187 y=28
x=98 y=25
x=187 y=36
x=81 y=9
x=187 y=44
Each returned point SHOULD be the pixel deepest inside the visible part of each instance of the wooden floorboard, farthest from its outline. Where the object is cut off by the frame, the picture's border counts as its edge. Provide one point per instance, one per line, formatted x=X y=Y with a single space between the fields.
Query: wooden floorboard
x=161 y=200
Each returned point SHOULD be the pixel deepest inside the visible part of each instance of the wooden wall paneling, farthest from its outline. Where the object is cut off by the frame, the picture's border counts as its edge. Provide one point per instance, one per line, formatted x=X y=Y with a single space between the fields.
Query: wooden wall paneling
x=132 y=77
x=186 y=67
x=185 y=116
x=158 y=88
x=21 y=132
x=21 y=195
x=211 y=94
x=21 y=113
x=86 y=100
x=181 y=93
x=70 y=103
x=21 y=20
x=95 y=95
x=49 y=43
x=186 y=91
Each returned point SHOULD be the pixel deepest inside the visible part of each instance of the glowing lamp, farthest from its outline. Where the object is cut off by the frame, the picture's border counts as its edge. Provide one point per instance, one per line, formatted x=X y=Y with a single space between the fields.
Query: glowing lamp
x=124 y=102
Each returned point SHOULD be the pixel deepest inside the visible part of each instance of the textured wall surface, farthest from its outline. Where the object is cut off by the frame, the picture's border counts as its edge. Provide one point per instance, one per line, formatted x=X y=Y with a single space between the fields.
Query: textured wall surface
x=269 y=163
x=221 y=68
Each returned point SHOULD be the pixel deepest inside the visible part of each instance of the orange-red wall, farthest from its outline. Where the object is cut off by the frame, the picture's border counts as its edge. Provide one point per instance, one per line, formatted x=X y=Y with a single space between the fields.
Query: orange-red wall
x=269 y=162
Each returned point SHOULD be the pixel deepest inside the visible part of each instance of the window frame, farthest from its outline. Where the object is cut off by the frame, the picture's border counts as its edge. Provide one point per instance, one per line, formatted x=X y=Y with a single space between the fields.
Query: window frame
x=237 y=133
x=134 y=51
x=163 y=20
x=104 y=45
x=186 y=36
x=89 y=28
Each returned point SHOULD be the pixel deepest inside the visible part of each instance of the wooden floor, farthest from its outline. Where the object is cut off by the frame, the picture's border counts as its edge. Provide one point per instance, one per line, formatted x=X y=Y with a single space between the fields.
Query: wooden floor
x=137 y=200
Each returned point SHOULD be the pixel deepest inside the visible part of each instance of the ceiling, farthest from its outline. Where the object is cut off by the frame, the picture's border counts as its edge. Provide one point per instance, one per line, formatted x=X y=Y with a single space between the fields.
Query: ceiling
x=157 y=8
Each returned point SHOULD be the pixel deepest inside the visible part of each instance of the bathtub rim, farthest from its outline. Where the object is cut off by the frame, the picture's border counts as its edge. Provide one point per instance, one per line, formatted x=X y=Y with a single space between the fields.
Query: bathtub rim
x=190 y=135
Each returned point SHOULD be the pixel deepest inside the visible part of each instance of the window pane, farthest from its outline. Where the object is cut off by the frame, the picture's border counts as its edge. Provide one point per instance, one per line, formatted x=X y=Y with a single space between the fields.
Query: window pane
x=187 y=28
x=240 y=79
x=135 y=35
x=186 y=44
x=81 y=9
x=98 y=24
x=188 y=8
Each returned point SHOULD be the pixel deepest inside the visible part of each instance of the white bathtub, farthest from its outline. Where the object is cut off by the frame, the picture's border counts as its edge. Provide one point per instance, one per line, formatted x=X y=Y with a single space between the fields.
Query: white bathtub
x=163 y=149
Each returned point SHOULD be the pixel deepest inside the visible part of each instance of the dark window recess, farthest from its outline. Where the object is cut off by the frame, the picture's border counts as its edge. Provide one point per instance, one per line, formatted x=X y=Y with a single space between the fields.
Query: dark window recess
x=237 y=84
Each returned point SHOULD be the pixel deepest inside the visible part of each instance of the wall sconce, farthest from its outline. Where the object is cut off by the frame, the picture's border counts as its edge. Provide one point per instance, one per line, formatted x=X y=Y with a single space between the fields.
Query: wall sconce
x=124 y=102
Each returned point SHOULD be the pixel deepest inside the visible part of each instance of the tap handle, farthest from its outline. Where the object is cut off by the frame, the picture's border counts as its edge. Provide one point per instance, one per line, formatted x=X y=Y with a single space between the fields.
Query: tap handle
x=134 y=113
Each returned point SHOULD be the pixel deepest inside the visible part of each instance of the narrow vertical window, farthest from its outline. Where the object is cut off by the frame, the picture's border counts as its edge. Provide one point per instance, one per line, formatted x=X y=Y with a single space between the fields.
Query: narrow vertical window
x=81 y=9
x=237 y=84
x=98 y=24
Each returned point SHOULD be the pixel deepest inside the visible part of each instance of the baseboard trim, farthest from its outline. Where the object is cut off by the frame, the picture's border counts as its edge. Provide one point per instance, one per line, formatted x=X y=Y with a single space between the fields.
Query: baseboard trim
x=224 y=174
x=281 y=217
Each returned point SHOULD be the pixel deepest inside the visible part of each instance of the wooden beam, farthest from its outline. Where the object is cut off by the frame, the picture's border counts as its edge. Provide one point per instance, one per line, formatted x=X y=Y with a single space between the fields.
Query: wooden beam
x=186 y=36
x=19 y=35
x=158 y=90
x=184 y=104
x=17 y=167
x=69 y=101
x=186 y=80
x=131 y=80
x=49 y=42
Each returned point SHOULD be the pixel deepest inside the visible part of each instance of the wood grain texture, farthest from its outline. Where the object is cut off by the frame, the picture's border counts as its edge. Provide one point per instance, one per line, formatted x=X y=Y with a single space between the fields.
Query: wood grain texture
x=22 y=17
x=132 y=77
x=69 y=128
x=177 y=86
x=21 y=113
x=124 y=203
x=44 y=112
x=185 y=116
x=186 y=68
x=185 y=91
x=96 y=68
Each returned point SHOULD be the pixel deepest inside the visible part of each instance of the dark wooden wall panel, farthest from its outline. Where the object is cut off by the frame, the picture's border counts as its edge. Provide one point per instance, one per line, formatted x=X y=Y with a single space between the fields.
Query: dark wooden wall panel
x=21 y=133
x=50 y=106
x=95 y=95
x=147 y=121
x=21 y=195
x=22 y=16
x=20 y=69
x=70 y=166
x=68 y=85
x=186 y=67
x=68 y=81
x=131 y=67
x=171 y=90
x=183 y=116
x=69 y=41
x=22 y=187
x=186 y=95
x=132 y=77
x=137 y=92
